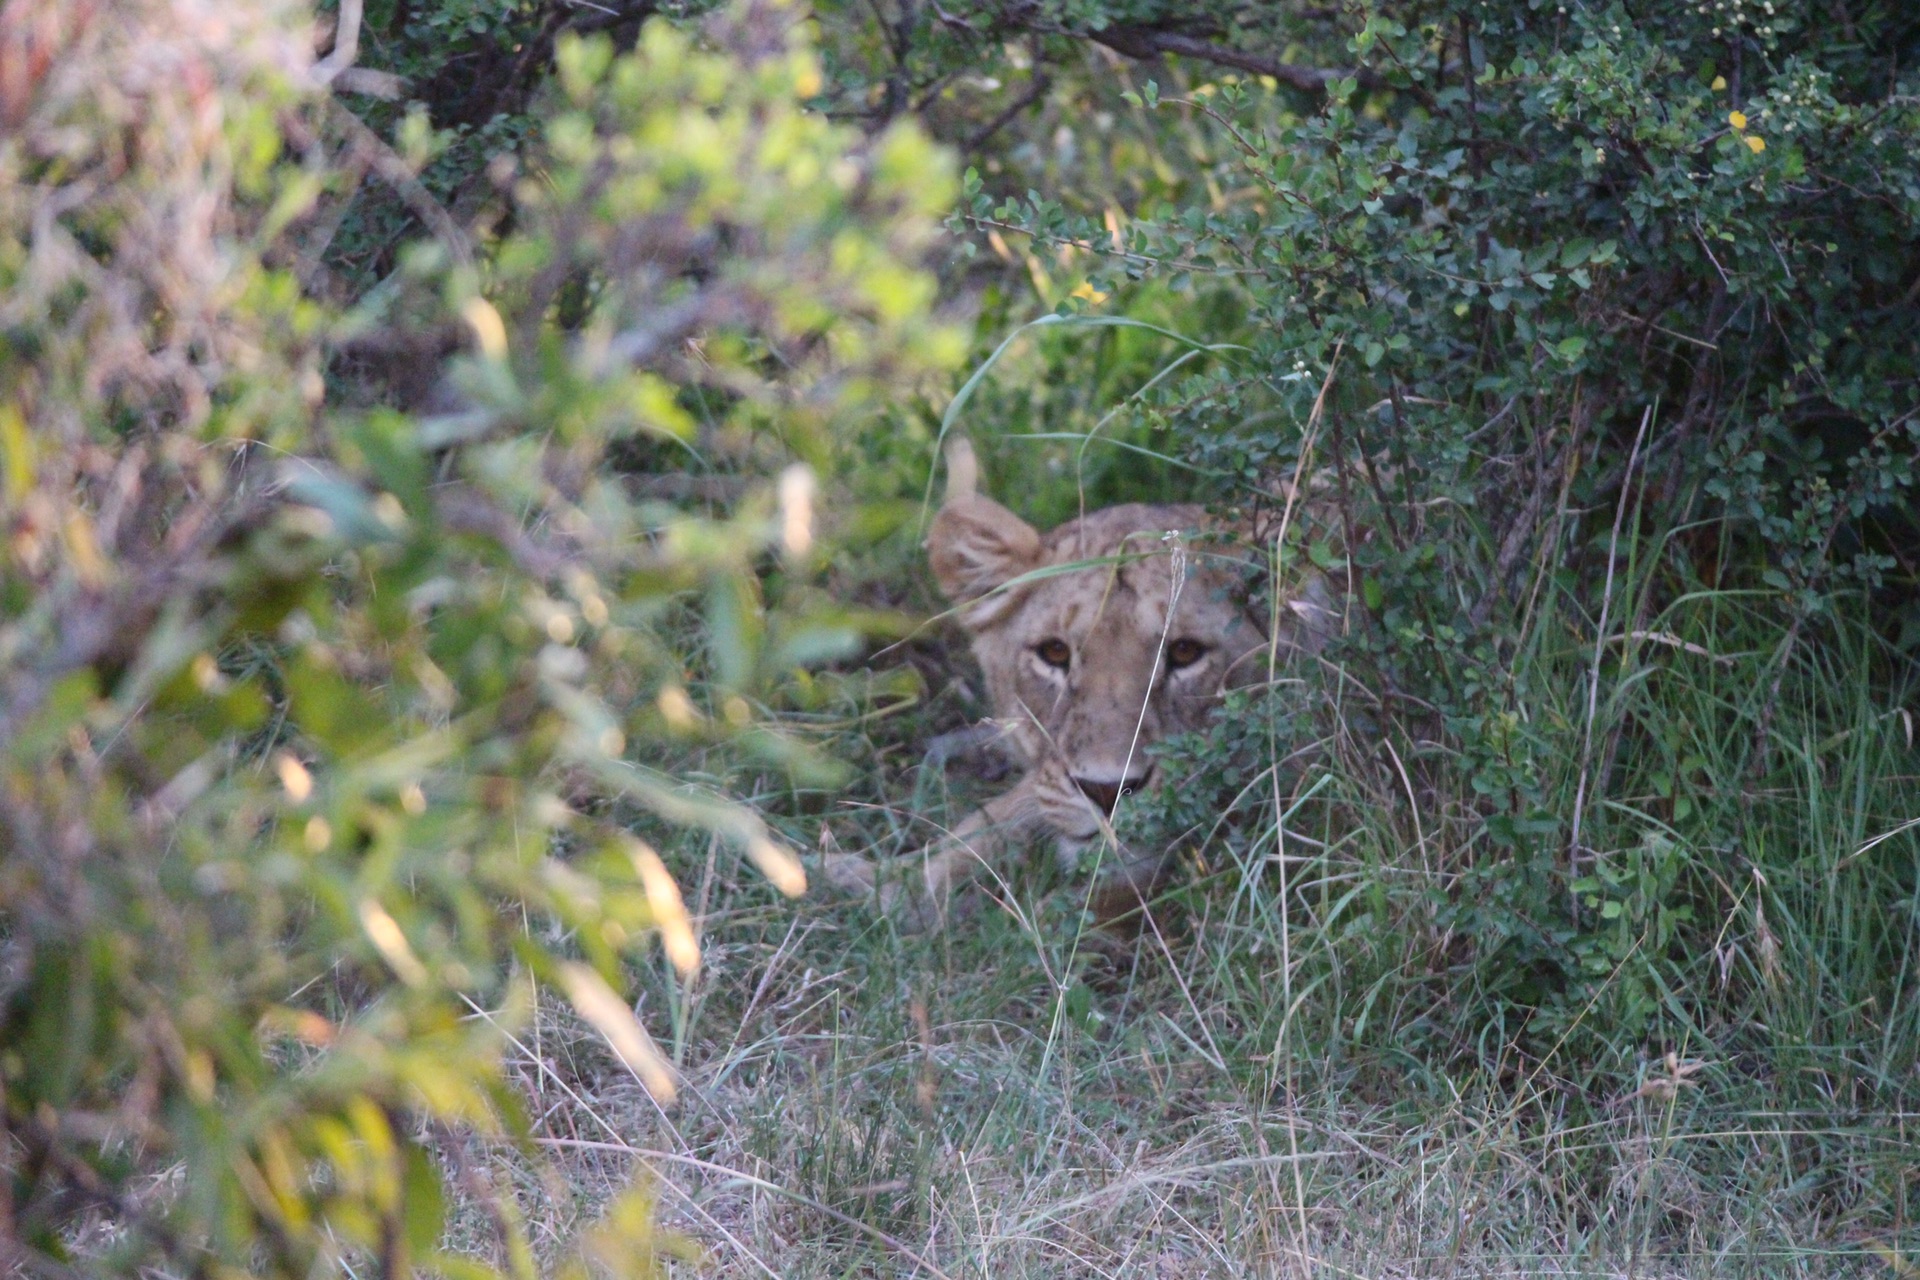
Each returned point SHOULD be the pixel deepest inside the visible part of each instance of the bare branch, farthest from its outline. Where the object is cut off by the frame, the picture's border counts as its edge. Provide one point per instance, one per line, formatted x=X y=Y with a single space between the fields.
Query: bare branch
x=370 y=83
x=400 y=177
x=1148 y=42
x=346 y=43
x=1035 y=91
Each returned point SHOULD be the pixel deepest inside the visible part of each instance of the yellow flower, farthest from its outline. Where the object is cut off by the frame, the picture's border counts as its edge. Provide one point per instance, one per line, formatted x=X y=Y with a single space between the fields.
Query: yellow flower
x=1719 y=83
x=1756 y=144
x=1737 y=119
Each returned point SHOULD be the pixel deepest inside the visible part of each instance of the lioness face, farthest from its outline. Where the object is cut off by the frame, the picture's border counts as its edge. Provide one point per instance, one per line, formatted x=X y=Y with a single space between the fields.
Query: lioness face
x=1098 y=640
x=1088 y=667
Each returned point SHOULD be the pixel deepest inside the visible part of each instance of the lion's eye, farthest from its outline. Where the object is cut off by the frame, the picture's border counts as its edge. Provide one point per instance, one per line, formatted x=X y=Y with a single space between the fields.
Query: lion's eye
x=1184 y=653
x=1054 y=653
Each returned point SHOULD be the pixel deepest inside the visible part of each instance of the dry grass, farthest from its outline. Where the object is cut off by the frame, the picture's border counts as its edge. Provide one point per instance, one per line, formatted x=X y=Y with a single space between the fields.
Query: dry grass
x=1018 y=1098
x=826 y=1131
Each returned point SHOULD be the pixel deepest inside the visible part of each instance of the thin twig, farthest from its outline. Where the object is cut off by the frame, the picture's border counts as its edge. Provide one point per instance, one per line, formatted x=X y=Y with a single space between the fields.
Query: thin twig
x=1146 y=43
x=1524 y=527
x=1035 y=91
x=399 y=175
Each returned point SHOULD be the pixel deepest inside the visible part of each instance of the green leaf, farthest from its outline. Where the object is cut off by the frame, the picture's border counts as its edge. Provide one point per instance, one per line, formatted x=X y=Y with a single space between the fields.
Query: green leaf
x=345 y=502
x=65 y=706
x=425 y=1201
x=1576 y=252
x=337 y=714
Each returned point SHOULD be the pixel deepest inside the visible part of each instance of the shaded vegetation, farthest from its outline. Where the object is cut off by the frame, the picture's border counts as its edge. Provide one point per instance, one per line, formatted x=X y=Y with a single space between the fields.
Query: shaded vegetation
x=405 y=541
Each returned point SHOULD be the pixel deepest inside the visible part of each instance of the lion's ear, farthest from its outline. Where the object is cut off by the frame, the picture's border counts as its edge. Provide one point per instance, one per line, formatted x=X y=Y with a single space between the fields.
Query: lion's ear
x=976 y=544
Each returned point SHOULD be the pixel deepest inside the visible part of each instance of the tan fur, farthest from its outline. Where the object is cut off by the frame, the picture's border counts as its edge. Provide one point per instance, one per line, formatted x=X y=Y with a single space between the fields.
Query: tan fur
x=1157 y=582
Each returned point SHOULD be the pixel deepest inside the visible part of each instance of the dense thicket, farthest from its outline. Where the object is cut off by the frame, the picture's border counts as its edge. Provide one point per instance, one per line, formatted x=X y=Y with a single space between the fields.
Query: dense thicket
x=1615 y=309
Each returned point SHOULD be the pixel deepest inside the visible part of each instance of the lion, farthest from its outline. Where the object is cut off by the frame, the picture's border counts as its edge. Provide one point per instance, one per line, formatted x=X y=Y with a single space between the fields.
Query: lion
x=1097 y=640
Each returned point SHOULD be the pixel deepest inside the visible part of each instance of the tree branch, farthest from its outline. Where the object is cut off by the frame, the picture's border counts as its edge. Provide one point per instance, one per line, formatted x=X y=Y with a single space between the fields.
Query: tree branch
x=1147 y=42
x=399 y=176
x=1035 y=91
x=346 y=43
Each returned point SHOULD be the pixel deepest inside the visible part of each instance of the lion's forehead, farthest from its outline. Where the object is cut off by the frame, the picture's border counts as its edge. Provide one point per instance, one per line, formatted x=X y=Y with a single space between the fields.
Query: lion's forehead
x=1133 y=527
x=1114 y=602
x=1113 y=611
x=1143 y=563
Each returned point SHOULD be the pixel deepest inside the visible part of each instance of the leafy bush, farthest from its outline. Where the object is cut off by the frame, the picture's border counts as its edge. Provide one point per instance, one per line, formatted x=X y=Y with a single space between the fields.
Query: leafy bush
x=1609 y=308
x=309 y=711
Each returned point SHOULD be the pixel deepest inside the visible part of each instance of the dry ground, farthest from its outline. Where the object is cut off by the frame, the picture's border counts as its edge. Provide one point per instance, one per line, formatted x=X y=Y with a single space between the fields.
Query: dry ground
x=985 y=1105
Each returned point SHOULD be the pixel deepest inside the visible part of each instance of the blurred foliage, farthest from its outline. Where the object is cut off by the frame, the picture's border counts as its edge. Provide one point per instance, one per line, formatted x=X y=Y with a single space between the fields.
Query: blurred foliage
x=308 y=710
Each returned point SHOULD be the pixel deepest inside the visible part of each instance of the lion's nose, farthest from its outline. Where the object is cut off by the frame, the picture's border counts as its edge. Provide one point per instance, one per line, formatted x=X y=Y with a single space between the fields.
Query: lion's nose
x=1106 y=795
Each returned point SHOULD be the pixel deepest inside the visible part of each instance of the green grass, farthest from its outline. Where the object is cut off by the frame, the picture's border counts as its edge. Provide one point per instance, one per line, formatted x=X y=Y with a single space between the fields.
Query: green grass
x=1389 y=1022
x=1358 y=1068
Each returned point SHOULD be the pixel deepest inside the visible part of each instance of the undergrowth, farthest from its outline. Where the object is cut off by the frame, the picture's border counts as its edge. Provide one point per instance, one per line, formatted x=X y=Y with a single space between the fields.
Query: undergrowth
x=412 y=611
x=1389 y=1020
